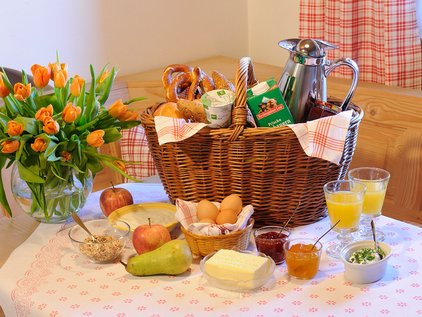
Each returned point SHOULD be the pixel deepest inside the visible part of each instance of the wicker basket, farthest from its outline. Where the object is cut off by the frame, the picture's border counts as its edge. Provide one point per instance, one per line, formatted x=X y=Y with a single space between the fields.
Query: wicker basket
x=201 y=245
x=267 y=167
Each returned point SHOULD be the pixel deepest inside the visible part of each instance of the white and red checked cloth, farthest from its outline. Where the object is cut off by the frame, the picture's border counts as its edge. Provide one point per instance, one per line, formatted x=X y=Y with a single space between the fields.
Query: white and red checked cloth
x=175 y=130
x=382 y=36
x=134 y=148
x=186 y=215
x=323 y=138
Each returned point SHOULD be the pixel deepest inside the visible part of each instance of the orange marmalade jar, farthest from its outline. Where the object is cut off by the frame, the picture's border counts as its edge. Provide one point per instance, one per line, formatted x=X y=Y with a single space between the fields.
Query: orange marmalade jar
x=302 y=258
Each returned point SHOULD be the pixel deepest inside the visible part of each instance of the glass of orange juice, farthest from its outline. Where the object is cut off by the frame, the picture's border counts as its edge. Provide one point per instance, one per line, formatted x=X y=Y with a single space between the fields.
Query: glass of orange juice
x=344 y=200
x=376 y=181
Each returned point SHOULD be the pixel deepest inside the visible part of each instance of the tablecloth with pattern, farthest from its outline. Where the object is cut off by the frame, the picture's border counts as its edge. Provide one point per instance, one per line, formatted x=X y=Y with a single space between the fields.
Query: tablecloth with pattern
x=45 y=276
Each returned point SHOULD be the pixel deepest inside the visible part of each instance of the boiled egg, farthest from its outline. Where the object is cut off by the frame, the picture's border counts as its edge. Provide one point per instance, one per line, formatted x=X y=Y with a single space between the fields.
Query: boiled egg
x=206 y=209
x=226 y=216
x=233 y=202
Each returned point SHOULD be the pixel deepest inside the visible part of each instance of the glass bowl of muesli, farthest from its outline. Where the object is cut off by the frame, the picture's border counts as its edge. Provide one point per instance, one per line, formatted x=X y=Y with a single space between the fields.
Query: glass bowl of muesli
x=106 y=243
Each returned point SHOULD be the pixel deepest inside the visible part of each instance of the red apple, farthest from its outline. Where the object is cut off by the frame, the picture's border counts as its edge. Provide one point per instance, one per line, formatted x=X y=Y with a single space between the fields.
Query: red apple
x=114 y=198
x=149 y=237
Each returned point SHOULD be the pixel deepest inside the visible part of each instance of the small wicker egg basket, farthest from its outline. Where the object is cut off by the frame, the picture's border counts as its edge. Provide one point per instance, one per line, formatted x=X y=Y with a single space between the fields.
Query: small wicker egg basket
x=202 y=245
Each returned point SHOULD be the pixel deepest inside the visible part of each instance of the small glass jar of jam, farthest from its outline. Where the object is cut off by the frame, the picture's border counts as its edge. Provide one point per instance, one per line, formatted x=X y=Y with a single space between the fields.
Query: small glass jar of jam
x=269 y=240
x=302 y=257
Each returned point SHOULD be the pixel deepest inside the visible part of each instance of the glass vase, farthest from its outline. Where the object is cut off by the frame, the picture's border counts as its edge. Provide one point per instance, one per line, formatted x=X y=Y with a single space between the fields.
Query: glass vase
x=61 y=195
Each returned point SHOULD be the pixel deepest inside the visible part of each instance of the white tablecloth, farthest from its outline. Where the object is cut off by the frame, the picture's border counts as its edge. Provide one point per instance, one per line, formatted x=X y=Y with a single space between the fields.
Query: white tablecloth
x=46 y=277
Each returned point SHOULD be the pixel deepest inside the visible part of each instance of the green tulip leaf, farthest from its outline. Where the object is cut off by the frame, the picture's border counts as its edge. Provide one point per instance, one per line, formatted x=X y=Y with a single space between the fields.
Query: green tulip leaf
x=28 y=176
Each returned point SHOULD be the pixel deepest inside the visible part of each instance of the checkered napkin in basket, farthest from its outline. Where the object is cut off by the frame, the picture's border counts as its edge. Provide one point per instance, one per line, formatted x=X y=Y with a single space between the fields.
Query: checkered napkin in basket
x=174 y=130
x=186 y=215
x=323 y=138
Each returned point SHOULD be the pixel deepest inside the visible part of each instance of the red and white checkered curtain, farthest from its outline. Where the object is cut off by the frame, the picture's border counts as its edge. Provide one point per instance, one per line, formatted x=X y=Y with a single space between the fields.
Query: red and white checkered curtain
x=382 y=36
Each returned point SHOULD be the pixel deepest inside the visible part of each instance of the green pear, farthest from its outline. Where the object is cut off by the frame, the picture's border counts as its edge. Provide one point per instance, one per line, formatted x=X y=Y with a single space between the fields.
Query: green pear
x=172 y=258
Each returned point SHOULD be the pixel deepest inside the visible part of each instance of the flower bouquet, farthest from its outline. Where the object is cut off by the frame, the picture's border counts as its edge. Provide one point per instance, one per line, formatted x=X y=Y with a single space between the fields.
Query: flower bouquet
x=52 y=139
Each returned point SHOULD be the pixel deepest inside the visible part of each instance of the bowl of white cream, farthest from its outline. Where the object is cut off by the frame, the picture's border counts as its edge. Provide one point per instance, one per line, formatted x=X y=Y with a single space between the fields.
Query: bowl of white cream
x=362 y=263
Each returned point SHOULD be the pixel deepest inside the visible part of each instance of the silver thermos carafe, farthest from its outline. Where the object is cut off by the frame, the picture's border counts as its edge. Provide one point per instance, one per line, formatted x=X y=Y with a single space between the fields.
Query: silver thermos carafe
x=304 y=75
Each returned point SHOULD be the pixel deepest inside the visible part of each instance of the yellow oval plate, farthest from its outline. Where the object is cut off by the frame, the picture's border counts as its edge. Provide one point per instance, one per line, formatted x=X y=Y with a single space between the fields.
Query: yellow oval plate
x=138 y=214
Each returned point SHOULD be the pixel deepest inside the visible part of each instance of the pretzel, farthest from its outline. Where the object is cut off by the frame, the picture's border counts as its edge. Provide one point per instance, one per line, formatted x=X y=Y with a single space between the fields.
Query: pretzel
x=175 y=87
x=186 y=82
x=221 y=82
x=196 y=78
x=207 y=83
x=169 y=71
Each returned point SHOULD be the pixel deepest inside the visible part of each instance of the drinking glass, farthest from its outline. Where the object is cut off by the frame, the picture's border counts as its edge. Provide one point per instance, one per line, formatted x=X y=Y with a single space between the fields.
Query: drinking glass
x=344 y=200
x=376 y=181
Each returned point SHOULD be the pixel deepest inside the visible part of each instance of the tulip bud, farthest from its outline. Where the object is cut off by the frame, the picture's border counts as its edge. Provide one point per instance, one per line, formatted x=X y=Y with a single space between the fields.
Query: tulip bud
x=4 y=91
x=66 y=156
x=56 y=67
x=10 y=146
x=44 y=112
x=41 y=75
x=120 y=165
x=128 y=116
x=95 y=138
x=22 y=91
x=50 y=126
x=104 y=76
x=76 y=86
x=39 y=145
x=71 y=113
x=59 y=79
x=117 y=109
x=14 y=128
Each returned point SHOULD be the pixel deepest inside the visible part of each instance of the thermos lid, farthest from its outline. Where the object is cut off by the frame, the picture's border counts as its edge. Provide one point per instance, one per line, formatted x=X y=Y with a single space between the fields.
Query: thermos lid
x=309 y=48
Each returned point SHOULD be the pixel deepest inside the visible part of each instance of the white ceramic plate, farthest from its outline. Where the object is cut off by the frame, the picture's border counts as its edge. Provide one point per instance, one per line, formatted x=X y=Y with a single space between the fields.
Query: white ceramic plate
x=138 y=214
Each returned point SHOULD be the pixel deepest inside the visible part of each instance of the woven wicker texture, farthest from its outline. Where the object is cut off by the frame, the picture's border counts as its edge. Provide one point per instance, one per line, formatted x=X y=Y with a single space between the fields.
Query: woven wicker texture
x=267 y=167
x=203 y=245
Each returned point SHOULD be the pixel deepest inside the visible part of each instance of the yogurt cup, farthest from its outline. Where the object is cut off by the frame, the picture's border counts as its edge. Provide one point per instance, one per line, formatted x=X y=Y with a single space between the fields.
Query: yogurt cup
x=218 y=107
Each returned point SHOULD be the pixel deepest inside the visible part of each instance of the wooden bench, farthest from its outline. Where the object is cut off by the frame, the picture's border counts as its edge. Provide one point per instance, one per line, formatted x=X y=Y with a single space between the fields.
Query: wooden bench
x=390 y=135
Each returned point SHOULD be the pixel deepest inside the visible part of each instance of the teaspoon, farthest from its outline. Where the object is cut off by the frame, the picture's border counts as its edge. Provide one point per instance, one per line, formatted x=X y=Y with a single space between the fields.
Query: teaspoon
x=82 y=225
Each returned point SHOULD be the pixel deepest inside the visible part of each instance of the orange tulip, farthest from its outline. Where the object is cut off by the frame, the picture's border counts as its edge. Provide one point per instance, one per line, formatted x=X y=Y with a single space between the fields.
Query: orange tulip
x=59 y=79
x=76 y=86
x=44 y=112
x=22 y=91
x=66 y=156
x=50 y=126
x=39 y=145
x=117 y=109
x=14 y=128
x=41 y=75
x=58 y=74
x=71 y=113
x=95 y=138
x=128 y=116
x=4 y=92
x=55 y=67
x=10 y=146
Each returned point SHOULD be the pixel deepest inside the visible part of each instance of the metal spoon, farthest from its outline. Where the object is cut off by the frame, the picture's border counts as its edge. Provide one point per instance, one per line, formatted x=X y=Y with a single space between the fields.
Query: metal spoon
x=325 y=234
x=82 y=225
x=377 y=248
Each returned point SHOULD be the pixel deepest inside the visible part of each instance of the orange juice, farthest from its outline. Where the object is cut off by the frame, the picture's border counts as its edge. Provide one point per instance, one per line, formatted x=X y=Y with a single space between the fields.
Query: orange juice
x=346 y=207
x=373 y=199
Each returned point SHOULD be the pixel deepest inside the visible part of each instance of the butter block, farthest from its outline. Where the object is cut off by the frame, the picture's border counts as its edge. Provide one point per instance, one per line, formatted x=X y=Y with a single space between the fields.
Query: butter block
x=243 y=269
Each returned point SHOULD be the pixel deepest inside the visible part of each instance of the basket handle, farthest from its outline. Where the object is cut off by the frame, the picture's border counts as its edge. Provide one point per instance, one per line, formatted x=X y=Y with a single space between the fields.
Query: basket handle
x=245 y=77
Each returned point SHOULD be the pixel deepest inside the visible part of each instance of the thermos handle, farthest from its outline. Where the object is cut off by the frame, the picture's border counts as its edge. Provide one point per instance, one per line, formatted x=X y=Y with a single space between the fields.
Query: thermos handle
x=355 y=69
